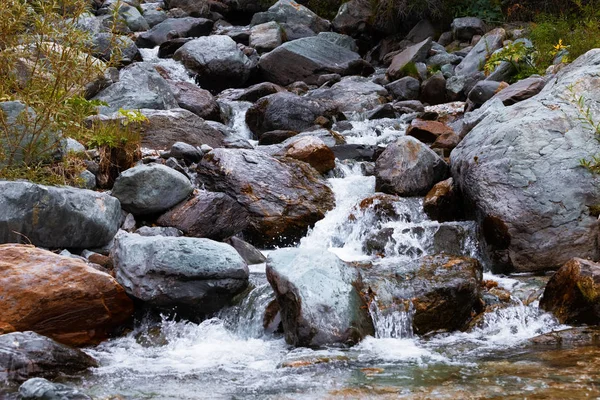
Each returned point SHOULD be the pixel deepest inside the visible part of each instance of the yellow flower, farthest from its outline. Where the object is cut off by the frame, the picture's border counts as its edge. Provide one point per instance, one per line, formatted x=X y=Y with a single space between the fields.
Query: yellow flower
x=559 y=46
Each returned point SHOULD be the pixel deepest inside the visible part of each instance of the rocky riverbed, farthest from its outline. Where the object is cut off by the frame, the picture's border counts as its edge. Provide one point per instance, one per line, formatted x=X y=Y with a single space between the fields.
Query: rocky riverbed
x=319 y=211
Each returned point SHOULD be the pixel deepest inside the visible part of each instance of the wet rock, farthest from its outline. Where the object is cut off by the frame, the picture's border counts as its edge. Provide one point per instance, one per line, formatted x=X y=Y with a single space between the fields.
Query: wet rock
x=211 y=215
x=305 y=60
x=248 y=252
x=446 y=142
x=358 y=152
x=283 y=197
x=465 y=28
x=573 y=293
x=186 y=152
x=579 y=336
x=290 y=12
x=24 y=355
x=192 y=274
x=139 y=86
x=521 y=90
x=413 y=54
x=407 y=88
x=408 y=168
x=427 y=131
x=483 y=91
x=519 y=169
x=173 y=28
x=351 y=94
x=40 y=388
x=56 y=217
x=318 y=303
x=275 y=137
x=148 y=189
x=442 y=203
x=61 y=297
x=440 y=291
x=252 y=93
x=199 y=101
x=312 y=151
x=266 y=37
x=383 y=111
x=217 y=61
x=158 y=231
x=476 y=58
x=168 y=48
x=433 y=90
x=409 y=106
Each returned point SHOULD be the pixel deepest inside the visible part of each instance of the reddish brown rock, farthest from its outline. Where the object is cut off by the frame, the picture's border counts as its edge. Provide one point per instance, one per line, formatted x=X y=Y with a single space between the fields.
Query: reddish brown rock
x=428 y=131
x=573 y=293
x=313 y=151
x=446 y=141
x=442 y=203
x=56 y=296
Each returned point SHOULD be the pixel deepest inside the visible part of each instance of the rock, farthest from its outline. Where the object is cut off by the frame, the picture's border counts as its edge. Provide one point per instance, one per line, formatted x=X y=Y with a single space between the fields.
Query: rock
x=168 y=48
x=103 y=45
x=408 y=168
x=311 y=150
x=521 y=90
x=433 y=90
x=441 y=290
x=56 y=217
x=40 y=388
x=483 y=91
x=27 y=354
x=283 y=111
x=442 y=203
x=186 y=152
x=305 y=60
x=351 y=94
x=60 y=297
x=265 y=37
x=216 y=60
x=195 y=8
x=252 y=93
x=413 y=54
x=442 y=59
x=154 y=17
x=579 y=336
x=196 y=275
x=407 y=88
x=199 y=101
x=158 y=231
x=282 y=198
x=211 y=215
x=445 y=38
x=139 y=86
x=340 y=39
x=409 y=106
x=318 y=303
x=465 y=28
x=573 y=293
x=519 y=170
x=446 y=141
x=149 y=189
x=354 y=17
x=427 y=131
x=458 y=87
x=476 y=58
x=290 y=12
x=358 y=152
x=275 y=137
x=248 y=252
x=173 y=28
x=424 y=29
x=132 y=18
x=383 y=111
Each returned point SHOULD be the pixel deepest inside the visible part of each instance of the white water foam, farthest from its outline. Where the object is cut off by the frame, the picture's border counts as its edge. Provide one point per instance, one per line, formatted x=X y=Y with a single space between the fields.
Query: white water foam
x=174 y=69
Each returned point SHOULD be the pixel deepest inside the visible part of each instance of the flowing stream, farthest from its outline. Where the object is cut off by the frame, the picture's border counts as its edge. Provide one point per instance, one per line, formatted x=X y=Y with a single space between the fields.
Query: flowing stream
x=231 y=356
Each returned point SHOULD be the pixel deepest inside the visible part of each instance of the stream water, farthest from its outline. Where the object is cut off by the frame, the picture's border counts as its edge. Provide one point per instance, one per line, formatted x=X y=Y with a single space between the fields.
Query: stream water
x=230 y=356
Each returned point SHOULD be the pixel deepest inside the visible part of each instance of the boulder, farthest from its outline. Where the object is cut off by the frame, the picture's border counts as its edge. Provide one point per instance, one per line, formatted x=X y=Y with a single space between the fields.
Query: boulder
x=386 y=110
x=442 y=202
x=252 y=93
x=186 y=152
x=317 y=299
x=437 y=292
x=483 y=91
x=211 y=215
x=199 y=101
x=408 y=168
x=340 y=39
x=265 y=37
x=217 y=61
x=173 y=28
x=465 y=28
x=248 y=252
x=42 y=389
x=427 y=131
x=407 y=88
x=519 y=170
x=139 y=86
x=104 y=44
x=311 y=150
x=573 y=293
x=24 y=355
x=433 y=90
x=351 y=94
x=306 y=60
x=413 y=54
x=192 y=274
x=521 y=90
x=475 y=60
x=283 y=197
x=132 y=18
x=275 y=137
x=149 y=189
x=56 y=217
x=60 y=297
x=291 y=13
x=354 y=17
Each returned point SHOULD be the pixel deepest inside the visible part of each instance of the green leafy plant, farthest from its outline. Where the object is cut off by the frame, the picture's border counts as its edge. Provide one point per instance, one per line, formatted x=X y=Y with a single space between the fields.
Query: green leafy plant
x=487 y=10
x=519 y=55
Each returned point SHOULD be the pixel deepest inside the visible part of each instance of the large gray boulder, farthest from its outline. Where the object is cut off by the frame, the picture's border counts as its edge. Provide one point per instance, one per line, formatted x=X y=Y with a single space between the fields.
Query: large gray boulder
x=475 y=60
x=193 y=274
x=199 y=101
x=283 y=197
x=465 y=28
x=43 y=389
x=351 y=94
x=265 y=37
x=217 y=61
x=24 y=355
x=317 y=299
x=292 y=13
x=414 y=54
x=139 y=86
x=174 y=28
x=306 y=60
x=409 y=168
x=519 y=168
x=149 y=189
x=56 y=217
